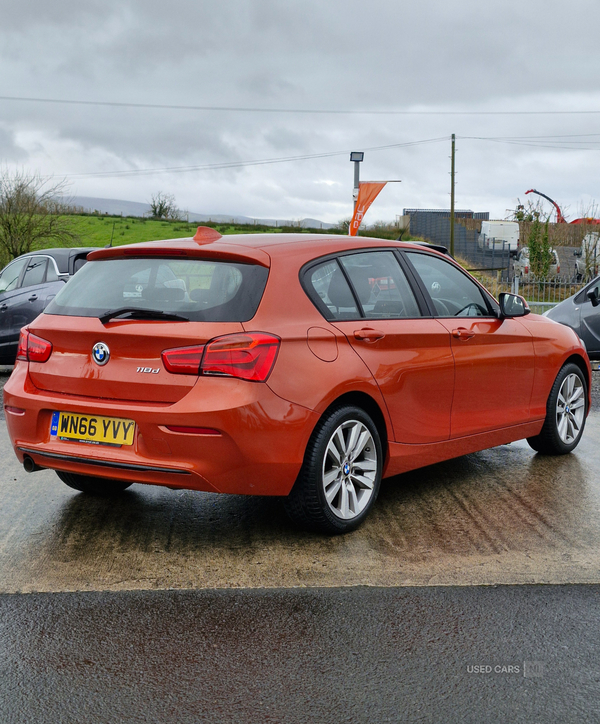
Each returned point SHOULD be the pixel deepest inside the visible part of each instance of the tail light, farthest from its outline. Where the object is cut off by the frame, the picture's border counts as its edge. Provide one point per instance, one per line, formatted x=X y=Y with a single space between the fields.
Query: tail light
x=33 y=348
x=245 y=356
x=184 y=360
x=526 y=270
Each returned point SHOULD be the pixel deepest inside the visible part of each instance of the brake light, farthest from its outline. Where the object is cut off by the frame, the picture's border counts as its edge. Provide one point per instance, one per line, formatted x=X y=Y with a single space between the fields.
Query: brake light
x=33 y=348
x=22 y=348
x=526 y=270
x=183 y=360
x=246 y=356
x=167 y=253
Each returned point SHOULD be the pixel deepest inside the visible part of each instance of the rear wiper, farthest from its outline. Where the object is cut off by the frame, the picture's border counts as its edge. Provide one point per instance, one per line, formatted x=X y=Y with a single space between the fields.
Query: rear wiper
x=137 y=313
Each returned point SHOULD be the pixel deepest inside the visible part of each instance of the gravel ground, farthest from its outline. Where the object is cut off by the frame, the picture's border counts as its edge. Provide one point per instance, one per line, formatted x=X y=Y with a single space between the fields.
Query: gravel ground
x=595 y=384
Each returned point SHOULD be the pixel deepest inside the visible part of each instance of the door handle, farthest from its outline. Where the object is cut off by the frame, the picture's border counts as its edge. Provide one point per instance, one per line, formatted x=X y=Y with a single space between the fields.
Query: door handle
x=3 y=307
x=462 y=333
x=33 y=298
x=368 y=335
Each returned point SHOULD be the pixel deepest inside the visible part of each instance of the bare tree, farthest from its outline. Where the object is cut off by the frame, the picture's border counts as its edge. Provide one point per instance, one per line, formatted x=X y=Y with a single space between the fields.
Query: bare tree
x=33 y=213
x=163 y=206
x=529 y=211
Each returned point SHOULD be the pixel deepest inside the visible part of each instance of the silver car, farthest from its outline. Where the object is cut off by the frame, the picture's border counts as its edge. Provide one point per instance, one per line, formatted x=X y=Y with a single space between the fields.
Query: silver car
x=522 y=269
x=581 y=312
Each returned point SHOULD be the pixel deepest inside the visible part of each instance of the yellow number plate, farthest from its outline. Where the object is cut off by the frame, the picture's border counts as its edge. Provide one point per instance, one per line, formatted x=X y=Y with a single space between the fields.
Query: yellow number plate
x=92 y=429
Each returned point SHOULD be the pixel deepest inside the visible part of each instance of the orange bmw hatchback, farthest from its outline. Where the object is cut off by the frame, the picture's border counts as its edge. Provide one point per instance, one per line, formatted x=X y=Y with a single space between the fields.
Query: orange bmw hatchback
x=294 y=365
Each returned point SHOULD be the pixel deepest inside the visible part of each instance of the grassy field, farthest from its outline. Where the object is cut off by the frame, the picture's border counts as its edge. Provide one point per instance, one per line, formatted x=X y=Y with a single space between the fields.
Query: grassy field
x=99 y=230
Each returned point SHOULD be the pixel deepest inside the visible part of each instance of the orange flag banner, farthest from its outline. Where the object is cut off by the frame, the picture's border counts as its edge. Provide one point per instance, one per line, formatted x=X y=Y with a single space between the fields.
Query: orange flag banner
x=367 y=193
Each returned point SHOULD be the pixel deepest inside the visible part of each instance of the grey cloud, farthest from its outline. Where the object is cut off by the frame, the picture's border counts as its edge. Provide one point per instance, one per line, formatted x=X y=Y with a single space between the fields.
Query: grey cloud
x=310 y=54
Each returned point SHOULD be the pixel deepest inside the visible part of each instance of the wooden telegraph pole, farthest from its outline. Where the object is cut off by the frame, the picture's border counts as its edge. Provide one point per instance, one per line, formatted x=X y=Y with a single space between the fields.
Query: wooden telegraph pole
x=452 y=198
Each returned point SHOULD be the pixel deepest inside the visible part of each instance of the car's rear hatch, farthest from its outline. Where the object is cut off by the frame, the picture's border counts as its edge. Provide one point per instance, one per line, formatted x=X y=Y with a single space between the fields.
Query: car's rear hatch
x=134 y=371
x=138 y=307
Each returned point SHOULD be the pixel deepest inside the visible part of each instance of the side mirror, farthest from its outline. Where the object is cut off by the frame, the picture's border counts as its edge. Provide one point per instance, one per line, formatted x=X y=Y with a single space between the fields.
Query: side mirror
x=577 y=252
x=512 y=305
x=592 y=295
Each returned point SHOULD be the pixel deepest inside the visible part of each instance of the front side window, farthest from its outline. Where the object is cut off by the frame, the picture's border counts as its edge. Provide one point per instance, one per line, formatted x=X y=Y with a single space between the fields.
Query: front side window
x=453 y=293
x=9 y=278
x=199 y=290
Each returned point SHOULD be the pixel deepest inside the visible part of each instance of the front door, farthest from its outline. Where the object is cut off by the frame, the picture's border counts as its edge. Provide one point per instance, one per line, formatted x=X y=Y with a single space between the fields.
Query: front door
x=494 y=357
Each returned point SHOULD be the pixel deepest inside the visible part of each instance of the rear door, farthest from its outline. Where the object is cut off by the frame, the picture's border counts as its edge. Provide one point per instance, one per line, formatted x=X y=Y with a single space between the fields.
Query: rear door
x=409 y=355
x=494 y=358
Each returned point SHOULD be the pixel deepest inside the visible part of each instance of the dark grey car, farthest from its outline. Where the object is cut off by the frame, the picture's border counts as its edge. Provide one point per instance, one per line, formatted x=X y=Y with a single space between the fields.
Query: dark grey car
x=581 y=312
x=27 y=285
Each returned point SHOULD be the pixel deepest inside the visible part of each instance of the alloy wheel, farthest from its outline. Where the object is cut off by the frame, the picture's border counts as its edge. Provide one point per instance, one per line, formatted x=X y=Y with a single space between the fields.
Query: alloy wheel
x=349 y=469
x=570 y=408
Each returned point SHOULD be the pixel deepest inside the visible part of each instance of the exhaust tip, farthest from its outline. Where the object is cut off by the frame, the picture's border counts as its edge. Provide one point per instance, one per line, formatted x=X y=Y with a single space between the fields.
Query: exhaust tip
x=29 y=465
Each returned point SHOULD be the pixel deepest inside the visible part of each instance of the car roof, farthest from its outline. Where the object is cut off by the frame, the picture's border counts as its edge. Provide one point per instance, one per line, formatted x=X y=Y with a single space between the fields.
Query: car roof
x=260 y=248
x=61 y=255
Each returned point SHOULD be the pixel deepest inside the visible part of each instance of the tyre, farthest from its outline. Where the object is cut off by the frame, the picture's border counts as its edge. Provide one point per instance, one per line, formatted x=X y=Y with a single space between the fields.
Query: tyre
x=92 y=485
x=566 y=411
x=341 y=473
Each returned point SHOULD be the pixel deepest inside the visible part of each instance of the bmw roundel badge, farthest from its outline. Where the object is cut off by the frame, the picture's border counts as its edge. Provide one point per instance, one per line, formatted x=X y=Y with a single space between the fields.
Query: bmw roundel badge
x=100 y=353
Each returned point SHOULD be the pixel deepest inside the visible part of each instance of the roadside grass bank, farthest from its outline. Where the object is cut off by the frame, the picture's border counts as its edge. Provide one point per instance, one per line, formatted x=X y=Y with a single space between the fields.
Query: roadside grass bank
x=96 y=230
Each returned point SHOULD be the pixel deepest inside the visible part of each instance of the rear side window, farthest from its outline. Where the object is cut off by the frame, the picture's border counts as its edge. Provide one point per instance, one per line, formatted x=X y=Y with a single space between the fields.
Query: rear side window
x=362 y=285
x=203 y=291
x=333 y=294
x=381 y=285
x=36 y=269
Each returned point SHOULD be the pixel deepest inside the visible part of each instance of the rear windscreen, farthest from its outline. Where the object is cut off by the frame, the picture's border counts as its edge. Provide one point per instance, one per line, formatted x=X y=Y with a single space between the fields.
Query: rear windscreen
x=202 y=291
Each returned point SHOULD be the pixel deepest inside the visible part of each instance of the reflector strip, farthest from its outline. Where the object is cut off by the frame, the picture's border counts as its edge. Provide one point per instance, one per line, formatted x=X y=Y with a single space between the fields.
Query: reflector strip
x=193 y=430
x=103 y=463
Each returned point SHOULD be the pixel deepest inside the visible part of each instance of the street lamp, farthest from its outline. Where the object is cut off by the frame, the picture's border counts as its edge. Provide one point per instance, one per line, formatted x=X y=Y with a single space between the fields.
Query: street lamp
x=356 y=157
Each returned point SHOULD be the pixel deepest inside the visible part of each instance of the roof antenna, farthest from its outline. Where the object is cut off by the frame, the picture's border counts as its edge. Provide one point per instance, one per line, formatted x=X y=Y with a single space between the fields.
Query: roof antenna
x=112 y=233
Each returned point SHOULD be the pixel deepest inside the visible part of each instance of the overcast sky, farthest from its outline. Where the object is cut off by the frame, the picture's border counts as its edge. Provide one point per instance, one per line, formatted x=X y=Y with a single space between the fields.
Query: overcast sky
x=437 y=65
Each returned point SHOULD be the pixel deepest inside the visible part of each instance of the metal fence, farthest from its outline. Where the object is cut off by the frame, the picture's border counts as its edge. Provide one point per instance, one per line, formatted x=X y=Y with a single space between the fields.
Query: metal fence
x=435 y=227
x=493 y=266
x=540 y=294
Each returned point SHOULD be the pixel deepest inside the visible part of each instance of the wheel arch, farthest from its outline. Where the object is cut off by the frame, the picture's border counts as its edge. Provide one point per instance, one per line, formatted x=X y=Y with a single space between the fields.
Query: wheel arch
x=371 y=407
x=584 y=367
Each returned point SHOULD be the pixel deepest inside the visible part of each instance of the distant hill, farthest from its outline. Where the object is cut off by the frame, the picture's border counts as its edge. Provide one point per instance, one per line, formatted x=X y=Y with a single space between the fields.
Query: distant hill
x=119 y=207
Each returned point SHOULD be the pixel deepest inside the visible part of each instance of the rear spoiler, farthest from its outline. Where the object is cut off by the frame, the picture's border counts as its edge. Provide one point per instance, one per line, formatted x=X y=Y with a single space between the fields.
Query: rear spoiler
x=435 y=247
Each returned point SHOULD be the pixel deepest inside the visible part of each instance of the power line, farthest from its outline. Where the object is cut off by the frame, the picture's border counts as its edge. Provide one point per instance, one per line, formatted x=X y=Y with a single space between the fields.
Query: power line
x=320 y=111
x=241 y=164
x=543 y=141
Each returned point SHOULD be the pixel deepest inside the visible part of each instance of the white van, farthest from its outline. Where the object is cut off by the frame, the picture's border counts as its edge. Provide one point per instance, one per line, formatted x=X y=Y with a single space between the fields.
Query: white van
x=499 y=236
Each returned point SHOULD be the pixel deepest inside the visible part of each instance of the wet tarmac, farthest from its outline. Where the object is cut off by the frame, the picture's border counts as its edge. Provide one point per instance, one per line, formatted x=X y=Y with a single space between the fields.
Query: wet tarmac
x=386 y=624
x=518 y=655
x=502 y=516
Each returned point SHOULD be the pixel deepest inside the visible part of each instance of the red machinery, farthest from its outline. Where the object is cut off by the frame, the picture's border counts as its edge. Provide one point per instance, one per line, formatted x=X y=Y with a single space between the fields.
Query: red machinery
x=560 y=219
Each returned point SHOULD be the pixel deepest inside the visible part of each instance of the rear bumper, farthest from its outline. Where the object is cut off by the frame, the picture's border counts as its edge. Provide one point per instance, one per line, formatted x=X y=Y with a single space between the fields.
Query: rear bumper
x=258 y=449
